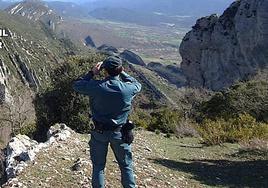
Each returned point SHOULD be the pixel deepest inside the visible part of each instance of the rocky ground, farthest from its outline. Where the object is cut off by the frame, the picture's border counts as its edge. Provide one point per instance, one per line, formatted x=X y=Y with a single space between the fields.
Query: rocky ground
x=159 y=162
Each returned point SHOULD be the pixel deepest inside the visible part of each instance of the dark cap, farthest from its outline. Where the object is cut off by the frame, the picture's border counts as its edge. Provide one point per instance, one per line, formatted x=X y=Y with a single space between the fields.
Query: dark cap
x=112 y=62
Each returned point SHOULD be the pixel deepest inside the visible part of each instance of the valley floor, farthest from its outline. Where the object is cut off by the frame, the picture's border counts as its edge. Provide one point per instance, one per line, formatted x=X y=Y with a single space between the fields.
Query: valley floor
x=159 y=162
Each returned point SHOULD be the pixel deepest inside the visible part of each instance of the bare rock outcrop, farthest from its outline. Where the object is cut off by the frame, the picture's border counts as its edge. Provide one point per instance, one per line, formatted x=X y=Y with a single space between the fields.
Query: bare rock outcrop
x=89 y=42
x=21 y=149
x=109 y=50
x=221 y=50
x=131 y=57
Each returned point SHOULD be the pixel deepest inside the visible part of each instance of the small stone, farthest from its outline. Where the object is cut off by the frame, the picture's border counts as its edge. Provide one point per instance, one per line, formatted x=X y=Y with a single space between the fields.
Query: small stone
x=66 y=159
x=77 y=165
x=148 y=149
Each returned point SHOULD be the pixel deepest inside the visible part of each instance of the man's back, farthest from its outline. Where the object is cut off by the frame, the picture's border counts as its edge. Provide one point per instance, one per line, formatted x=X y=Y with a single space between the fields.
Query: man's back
x=110 y=98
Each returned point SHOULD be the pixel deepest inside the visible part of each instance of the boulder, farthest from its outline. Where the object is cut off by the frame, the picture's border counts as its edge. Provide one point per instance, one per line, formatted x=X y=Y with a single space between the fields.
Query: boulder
x=133 y=58
x=59 y=132
x=19 y=150
x=22 y=149
x=221 y=50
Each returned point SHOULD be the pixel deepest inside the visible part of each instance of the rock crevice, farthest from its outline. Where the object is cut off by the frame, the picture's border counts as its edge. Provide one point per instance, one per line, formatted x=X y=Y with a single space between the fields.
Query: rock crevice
x=4 y=92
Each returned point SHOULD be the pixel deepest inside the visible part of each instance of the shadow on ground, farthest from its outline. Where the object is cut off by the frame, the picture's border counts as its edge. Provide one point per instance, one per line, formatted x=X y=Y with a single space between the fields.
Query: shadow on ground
x=222 y=172
x=252 y=154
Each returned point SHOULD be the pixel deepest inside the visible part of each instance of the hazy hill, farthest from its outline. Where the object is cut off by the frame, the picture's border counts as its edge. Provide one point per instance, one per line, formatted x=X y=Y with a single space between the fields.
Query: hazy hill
x=149 y=12
x=68 y=9
x=35 y=10
x=171 y=7
x=138 y=17
x=144 y=12
x=4 y=4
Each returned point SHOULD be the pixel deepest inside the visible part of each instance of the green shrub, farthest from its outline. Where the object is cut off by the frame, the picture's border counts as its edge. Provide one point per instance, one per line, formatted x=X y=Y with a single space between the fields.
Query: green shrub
x=213 y=132
x=249 y=97
x=256 y=148
x=81 y=123
x=242 y=128
x=165 y=120
x=157 y=131
x=28 y=130
x=60 y=103
x=168 y=135
x=186 y=128
x=141 y=118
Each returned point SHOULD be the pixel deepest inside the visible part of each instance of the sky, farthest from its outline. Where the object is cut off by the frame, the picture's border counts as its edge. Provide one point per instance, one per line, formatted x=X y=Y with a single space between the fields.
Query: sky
x=80 y=0
x=58 y=0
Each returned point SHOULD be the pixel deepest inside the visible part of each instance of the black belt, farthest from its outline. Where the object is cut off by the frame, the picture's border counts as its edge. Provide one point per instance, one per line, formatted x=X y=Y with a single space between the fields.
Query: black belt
x=100 y=127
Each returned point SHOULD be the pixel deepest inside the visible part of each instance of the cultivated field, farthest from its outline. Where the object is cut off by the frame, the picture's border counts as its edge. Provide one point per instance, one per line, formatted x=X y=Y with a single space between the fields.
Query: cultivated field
x=158 y=44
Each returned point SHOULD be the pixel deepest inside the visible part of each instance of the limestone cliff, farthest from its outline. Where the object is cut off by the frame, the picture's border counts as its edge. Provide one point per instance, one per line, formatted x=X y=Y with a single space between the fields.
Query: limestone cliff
x=220 y=50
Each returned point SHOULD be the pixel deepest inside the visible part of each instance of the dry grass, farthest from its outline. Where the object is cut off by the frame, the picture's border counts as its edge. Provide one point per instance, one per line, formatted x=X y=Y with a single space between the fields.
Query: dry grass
x=255 y=145
x=186 y=128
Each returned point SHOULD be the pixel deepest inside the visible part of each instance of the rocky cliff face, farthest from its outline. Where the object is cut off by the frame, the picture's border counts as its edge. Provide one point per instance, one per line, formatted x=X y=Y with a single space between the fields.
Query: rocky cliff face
x=220 y=50
x=28 y=55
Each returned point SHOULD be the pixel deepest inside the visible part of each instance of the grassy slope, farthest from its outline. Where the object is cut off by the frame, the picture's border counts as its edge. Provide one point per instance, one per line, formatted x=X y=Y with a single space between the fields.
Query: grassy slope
x=32 y=42
x=38 y=48
x=159 y=162
x=163 y=85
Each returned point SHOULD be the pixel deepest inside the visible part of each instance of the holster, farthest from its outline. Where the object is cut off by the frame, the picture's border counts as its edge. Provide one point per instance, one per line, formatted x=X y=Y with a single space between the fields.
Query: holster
x=127 y=133
x=101 y=127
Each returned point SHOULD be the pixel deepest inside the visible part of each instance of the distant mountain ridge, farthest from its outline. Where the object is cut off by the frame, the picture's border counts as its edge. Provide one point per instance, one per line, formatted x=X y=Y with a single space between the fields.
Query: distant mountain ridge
x=136 y=17
x=172 y=7
x=35 y=10
x=4 y=4
x=68 y=9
